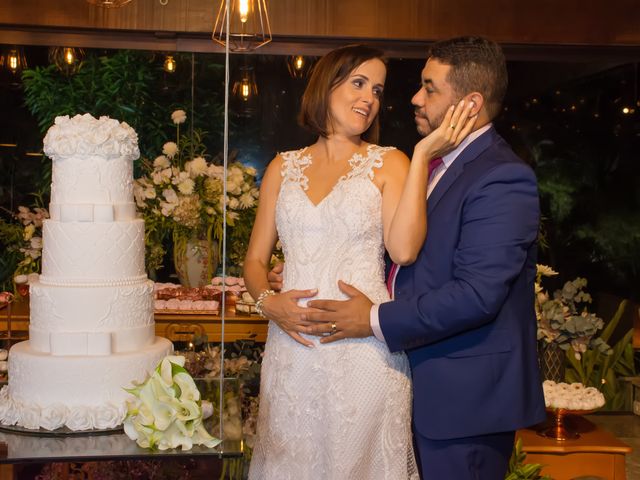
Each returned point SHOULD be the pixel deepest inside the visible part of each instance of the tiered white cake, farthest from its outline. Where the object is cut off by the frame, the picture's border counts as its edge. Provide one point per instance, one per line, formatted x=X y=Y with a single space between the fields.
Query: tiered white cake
x=92 y=329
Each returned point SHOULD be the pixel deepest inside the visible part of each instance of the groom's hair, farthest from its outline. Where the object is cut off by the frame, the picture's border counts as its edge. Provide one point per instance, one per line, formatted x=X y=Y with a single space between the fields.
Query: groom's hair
x=477 y=65
x=331 y=71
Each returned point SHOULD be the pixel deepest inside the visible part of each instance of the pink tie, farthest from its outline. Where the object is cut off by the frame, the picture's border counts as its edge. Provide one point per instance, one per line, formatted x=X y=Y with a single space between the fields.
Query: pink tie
x=433 y=164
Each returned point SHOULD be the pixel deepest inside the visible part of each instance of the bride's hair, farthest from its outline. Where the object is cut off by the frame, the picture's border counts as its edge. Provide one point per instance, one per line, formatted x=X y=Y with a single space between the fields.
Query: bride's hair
x=330 y=71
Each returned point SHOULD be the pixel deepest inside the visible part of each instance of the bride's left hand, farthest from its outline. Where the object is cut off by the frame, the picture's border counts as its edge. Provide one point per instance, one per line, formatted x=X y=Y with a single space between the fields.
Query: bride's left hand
x=340 y=318
x=458 y=122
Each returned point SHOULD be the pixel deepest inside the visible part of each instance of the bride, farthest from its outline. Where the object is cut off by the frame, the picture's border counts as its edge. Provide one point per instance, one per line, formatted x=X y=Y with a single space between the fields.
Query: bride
x=340 y=410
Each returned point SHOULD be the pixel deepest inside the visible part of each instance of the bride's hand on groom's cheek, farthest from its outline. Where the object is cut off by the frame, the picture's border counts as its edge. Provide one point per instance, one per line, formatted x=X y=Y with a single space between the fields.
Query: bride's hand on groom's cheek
x=340 y=318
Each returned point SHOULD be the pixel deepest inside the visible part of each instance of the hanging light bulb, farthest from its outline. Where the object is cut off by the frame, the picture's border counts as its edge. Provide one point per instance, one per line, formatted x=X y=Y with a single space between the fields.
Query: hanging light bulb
x=67 y=59
x=248 y=25
x=169 y=64
x=245 y=92
x=108 y=3
x=14 y=60
x=298 y=66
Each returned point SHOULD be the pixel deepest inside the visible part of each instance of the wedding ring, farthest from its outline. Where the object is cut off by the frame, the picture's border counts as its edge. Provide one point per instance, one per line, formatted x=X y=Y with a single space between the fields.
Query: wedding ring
x=452 y=126
x=334 y=328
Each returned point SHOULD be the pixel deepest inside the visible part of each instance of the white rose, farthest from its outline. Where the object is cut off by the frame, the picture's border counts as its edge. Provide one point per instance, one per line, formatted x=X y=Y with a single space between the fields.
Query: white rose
x=9 y=411
x=108 y=416
x=53 y=416
x=79 y=418
x=179 y=116
x=251 y=171
x=234 y=203
x=29 y=417
x=4 y=365
x=170 y=149
x=4 y=353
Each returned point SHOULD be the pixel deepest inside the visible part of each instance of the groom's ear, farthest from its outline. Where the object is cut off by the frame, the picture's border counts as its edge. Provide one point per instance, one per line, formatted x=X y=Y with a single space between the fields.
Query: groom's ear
x=478 y=101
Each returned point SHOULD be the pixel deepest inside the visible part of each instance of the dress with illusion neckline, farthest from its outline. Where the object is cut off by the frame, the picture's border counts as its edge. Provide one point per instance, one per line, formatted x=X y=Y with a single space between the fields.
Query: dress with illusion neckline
x=340 y=411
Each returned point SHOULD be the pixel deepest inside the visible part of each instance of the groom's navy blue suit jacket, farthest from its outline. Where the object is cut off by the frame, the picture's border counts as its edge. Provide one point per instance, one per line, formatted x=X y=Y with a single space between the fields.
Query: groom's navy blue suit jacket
x=464 y=310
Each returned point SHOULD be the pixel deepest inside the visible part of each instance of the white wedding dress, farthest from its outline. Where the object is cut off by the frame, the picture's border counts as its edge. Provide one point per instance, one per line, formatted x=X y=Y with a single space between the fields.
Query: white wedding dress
x=340 y=411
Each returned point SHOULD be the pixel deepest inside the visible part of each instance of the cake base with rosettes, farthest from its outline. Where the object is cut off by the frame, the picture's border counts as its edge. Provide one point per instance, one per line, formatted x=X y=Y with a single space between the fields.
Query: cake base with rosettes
x=80 y=393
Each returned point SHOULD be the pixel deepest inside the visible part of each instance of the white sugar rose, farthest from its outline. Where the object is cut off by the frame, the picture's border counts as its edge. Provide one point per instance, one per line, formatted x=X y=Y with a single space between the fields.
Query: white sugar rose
x=108 y=416
x=29 y=417
x=53 y=416
x=79 y=418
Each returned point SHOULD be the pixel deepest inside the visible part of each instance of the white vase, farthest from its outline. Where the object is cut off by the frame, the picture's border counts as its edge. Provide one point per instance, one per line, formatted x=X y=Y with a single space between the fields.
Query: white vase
x=197 y=264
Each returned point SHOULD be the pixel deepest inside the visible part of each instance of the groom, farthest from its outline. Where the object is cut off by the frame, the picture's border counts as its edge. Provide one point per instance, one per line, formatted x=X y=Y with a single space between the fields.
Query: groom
x=464 y=310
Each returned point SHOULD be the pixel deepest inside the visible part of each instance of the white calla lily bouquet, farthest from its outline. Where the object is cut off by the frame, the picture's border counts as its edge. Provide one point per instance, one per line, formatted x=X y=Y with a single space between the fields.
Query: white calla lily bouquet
x=167 y=411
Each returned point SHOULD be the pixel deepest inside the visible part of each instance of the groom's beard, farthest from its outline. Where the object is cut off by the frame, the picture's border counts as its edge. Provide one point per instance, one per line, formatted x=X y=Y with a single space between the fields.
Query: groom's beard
x=431 y=123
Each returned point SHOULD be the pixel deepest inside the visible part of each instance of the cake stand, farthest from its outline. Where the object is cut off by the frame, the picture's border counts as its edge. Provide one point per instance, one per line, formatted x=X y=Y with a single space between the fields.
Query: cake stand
x=559 y=430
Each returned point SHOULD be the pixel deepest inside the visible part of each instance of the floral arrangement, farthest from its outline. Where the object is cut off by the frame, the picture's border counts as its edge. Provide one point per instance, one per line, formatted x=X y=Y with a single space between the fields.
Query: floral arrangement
x=563 y=317
x=21 y=238
x=167 y=412
x=181 y=195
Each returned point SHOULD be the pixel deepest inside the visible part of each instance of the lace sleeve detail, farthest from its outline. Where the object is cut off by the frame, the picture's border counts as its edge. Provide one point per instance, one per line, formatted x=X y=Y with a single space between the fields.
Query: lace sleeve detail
x=293 y=166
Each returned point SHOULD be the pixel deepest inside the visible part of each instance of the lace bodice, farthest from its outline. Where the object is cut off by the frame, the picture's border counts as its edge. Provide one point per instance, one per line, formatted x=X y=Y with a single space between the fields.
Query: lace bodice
x=339 y=411
x=340 y=237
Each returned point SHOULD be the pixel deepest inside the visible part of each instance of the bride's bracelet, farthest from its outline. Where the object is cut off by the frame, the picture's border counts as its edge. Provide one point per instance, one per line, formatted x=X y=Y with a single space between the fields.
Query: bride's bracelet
x=260 y=301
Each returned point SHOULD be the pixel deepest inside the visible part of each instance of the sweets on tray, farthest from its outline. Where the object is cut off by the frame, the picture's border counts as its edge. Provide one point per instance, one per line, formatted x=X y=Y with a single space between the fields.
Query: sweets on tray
x=574 y=396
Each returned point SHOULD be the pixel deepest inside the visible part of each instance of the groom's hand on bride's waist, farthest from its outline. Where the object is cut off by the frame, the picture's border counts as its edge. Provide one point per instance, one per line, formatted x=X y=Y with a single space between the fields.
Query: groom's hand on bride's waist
x=340 y=318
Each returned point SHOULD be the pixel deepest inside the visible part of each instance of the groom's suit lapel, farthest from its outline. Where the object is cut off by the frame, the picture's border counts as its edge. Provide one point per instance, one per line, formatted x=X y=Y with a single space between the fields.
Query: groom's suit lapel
x=469 y=154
